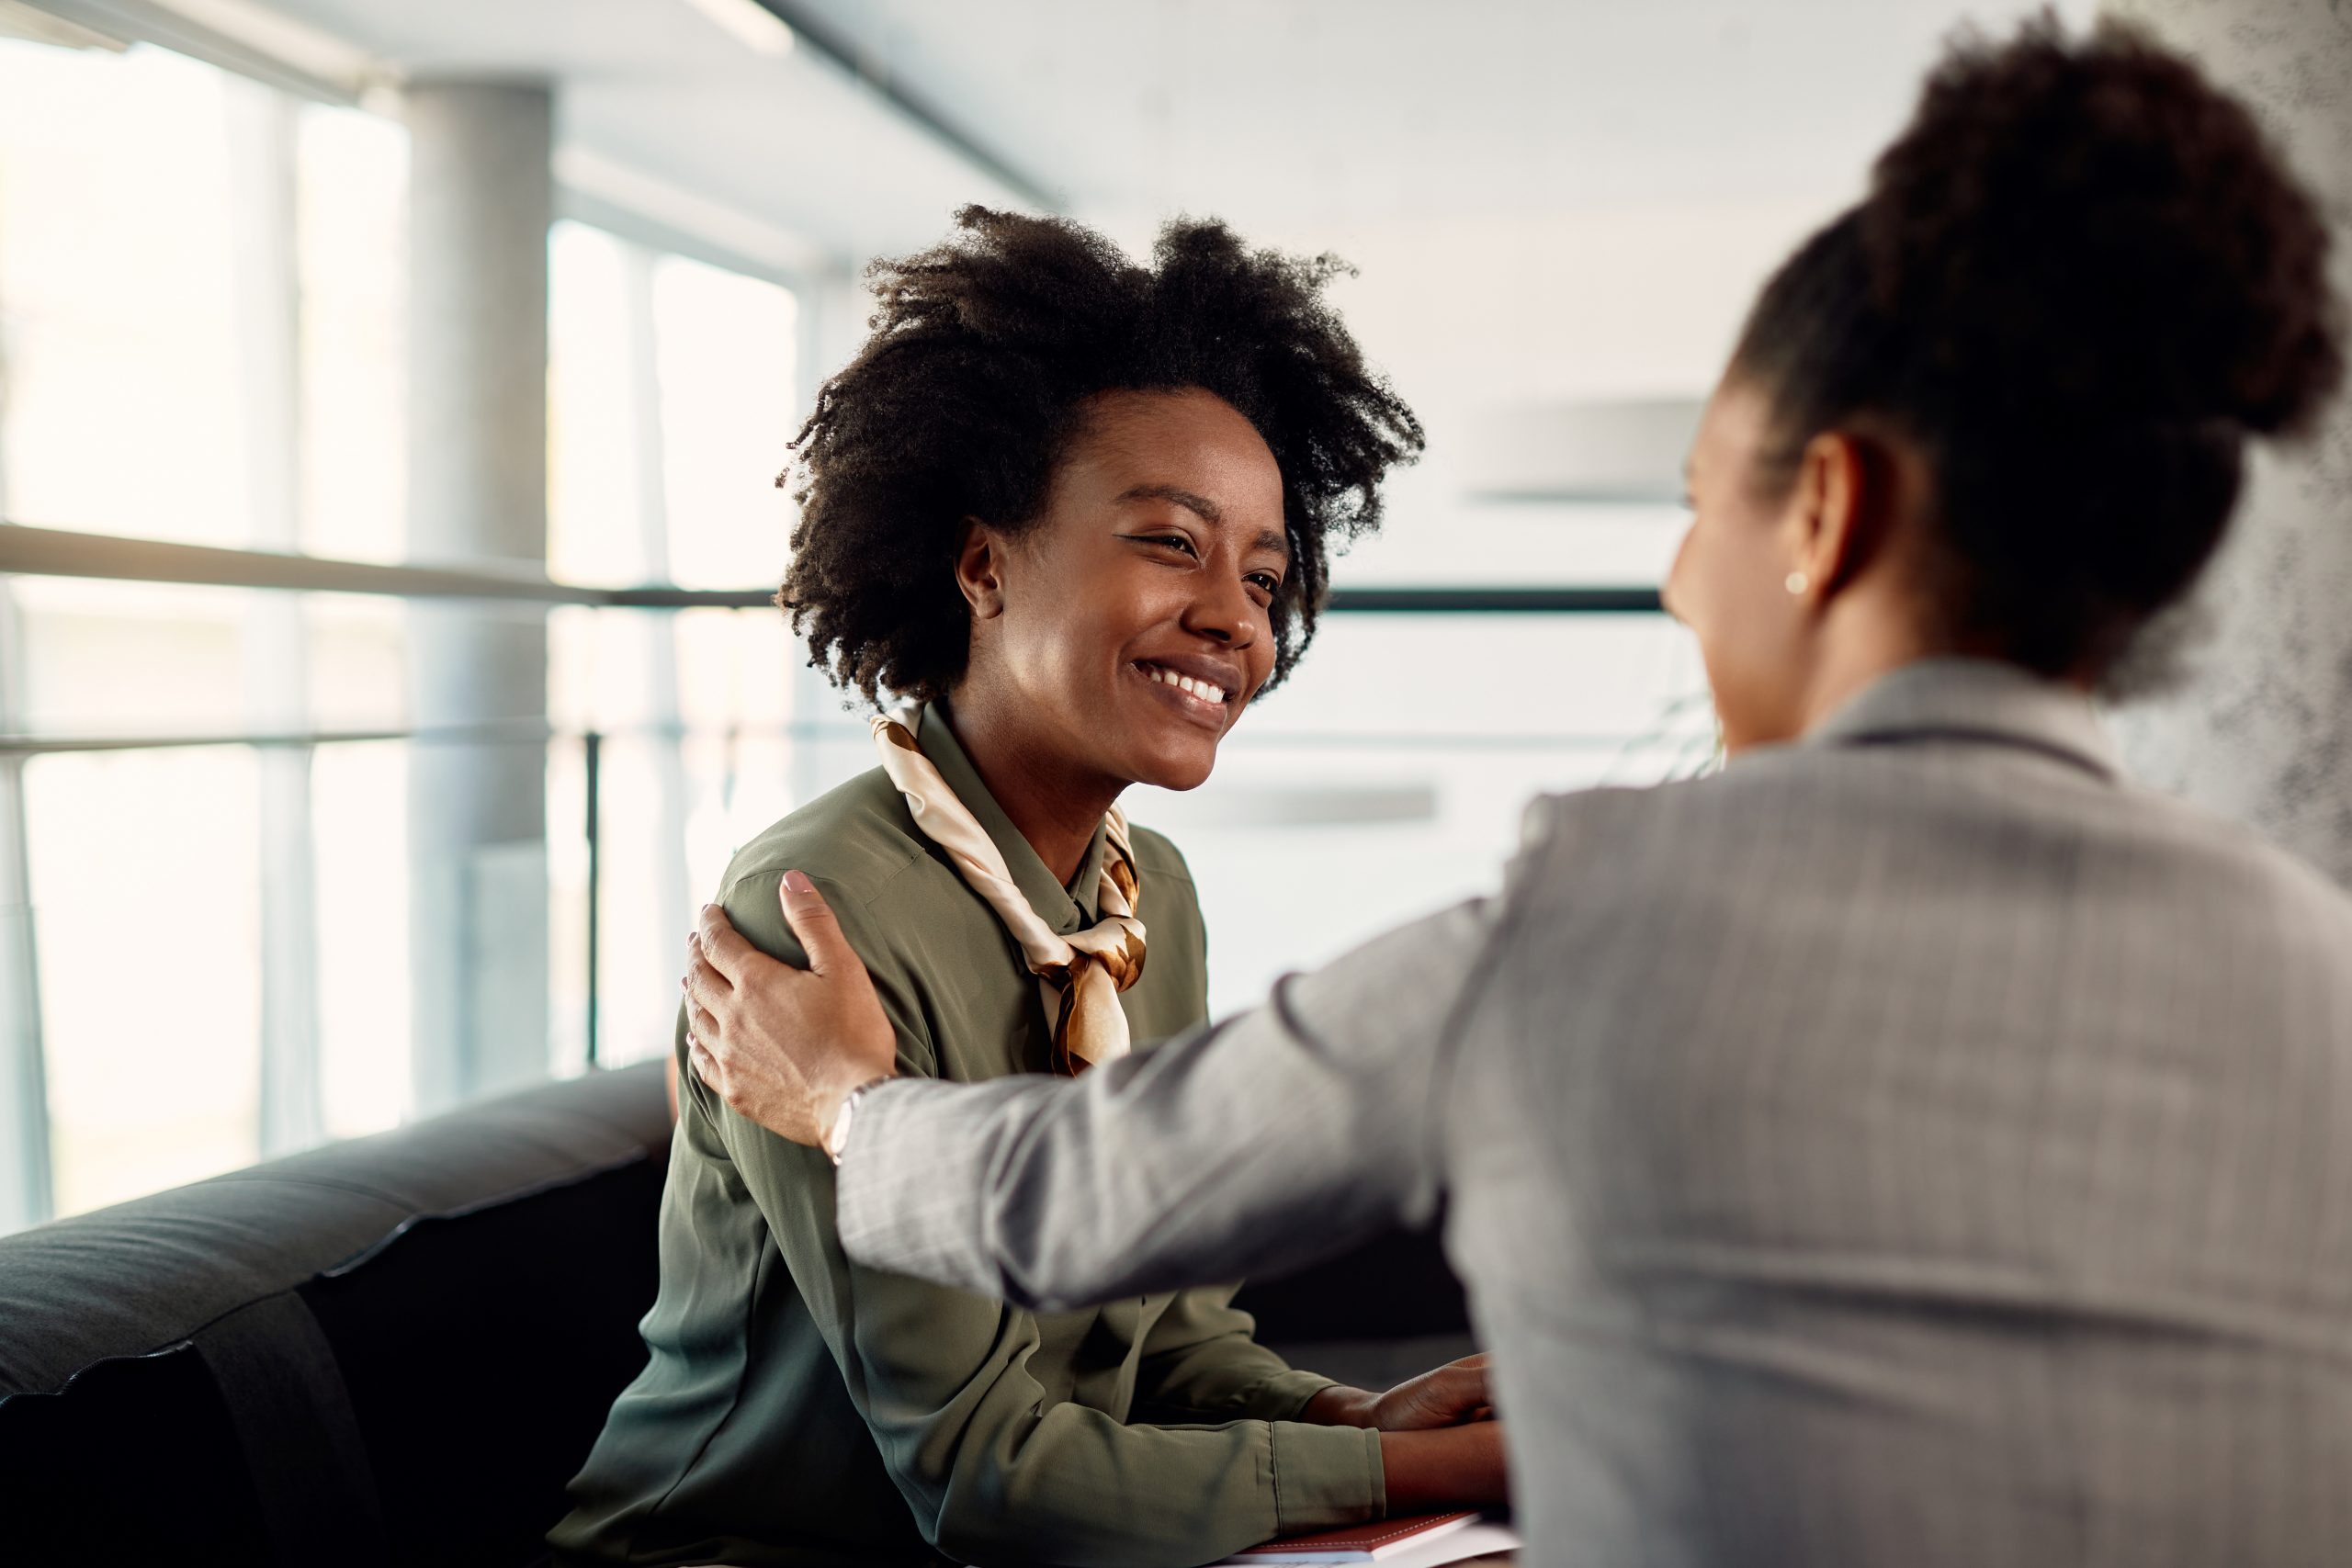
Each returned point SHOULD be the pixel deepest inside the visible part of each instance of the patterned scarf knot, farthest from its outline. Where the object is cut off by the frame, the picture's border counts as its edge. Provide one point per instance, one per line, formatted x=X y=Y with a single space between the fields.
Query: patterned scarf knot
x=1080 y=975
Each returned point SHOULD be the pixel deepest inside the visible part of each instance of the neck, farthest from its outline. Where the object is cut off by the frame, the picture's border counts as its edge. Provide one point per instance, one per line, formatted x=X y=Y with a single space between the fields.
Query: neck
x=1053 y=803
x=1864 y=642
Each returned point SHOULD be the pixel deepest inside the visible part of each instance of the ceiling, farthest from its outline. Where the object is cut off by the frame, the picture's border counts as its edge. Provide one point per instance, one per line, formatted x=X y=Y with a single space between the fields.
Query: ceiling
x=1296 y=113
x=1558 y=211
x=1357 y=110
x=653 y=96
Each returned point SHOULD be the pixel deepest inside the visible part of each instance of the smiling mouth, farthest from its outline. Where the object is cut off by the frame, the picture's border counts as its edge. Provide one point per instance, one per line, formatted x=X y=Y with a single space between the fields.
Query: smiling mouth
x=1200 y=698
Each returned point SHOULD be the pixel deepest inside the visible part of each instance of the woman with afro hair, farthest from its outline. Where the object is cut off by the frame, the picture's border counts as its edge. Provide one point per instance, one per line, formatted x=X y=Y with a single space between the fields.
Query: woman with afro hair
x=1063 y=518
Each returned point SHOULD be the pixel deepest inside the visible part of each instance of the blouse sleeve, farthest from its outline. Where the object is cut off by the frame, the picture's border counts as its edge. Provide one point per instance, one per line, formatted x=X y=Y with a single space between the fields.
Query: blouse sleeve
x=992 y=1465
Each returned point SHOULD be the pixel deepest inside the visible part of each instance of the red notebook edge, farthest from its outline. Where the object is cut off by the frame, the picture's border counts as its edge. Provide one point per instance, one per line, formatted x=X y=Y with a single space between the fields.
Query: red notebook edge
x=1366 y=1538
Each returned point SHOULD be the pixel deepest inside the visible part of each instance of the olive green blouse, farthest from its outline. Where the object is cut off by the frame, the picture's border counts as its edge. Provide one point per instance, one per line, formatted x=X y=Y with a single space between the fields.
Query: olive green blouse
x=801 y=1409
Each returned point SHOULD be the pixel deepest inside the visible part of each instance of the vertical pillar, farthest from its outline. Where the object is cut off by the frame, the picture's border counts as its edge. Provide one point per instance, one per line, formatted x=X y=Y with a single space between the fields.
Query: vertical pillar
x=830 y=321
x=480 y=198
x=26 y=1193
x=656 y=930
x=2262 y=732
x=262 y=128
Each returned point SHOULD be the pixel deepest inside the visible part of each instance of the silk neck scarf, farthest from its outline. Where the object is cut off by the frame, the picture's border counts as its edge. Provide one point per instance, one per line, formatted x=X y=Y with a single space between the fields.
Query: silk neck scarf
x=1082 y=974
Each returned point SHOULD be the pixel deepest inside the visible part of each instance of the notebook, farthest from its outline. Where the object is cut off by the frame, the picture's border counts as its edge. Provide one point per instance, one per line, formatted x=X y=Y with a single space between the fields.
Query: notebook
x=1382 y=1541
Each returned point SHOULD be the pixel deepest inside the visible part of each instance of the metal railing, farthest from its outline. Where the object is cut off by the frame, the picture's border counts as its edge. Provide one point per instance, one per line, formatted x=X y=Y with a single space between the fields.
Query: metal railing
x=48 y=552
x=592 y=743
x=57 y=552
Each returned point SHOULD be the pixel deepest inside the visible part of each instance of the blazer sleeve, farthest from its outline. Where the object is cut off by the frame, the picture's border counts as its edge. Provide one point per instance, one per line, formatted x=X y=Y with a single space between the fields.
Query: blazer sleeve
x=991 y=1464
x=1281 y=1137
x=1201 y=1359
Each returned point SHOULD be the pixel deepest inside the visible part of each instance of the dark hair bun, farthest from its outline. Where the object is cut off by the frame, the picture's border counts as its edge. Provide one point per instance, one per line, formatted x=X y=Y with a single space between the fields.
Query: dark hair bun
x=2082 y=277
x=2091 y=226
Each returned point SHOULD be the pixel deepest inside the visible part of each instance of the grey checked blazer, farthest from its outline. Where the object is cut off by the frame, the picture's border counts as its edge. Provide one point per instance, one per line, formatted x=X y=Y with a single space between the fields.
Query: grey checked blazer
x=1913 y=1147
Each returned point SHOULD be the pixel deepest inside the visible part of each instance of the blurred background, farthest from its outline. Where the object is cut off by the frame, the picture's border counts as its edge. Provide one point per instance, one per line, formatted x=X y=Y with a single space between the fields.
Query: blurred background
x=390 y=394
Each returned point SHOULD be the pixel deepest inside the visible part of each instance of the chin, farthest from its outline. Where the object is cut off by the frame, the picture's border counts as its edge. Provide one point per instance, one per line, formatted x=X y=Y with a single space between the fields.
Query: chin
x=1177 y=771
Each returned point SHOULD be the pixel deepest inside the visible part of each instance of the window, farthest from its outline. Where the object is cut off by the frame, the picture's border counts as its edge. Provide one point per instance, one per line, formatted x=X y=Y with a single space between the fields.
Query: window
x=120 y=213
x=202 y=339
x=671 y=401
x=218 y=934
x=1378 y=784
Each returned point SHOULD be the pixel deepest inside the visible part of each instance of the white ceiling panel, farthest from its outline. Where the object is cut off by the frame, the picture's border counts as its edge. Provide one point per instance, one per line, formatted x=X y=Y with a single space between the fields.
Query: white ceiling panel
x=1363 y=111
x=1290 y=115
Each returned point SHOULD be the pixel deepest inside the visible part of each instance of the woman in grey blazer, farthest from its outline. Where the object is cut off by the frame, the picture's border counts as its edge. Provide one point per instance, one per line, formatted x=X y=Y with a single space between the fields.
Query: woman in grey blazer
x=1915 y=1145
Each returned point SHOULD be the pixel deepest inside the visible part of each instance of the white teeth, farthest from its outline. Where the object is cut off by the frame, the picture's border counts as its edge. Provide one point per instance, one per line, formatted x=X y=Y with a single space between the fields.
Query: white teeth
x=1186 y=684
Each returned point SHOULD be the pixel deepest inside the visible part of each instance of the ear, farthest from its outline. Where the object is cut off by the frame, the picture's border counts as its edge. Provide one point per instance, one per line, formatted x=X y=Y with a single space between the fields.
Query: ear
x=1836 y=511
x=979 y=569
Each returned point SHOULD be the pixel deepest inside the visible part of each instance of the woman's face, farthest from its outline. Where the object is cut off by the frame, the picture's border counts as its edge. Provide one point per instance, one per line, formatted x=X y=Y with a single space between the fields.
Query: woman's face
x=1133 y=619
x=1729 y=583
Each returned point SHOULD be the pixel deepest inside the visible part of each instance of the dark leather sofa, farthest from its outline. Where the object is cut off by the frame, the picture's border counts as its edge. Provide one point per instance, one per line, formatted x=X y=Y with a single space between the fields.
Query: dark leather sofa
x=398 y=1349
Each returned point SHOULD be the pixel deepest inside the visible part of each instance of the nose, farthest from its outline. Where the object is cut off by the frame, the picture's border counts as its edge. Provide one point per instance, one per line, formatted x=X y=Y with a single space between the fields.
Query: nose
x=1224 y=612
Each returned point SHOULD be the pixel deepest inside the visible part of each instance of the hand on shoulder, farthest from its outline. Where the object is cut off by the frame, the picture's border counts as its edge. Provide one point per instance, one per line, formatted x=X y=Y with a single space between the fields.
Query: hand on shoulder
x=785 y=1046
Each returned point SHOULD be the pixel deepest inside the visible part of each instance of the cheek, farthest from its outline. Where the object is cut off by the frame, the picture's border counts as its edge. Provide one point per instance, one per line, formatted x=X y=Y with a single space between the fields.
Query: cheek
x=1072 y=656
x=1062 y=655
x=1069 y=608
x=1702 y=587
x=1675 y=591
x=1257 y=659
x=1722 y=589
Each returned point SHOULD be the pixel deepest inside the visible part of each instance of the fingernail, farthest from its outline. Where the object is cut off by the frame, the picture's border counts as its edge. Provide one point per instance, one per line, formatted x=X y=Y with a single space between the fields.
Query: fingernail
x=798 y=882
x=694 y=940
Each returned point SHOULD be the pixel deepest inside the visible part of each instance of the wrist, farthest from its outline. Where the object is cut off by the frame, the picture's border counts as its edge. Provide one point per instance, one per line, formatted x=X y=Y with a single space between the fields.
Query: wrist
x=1443 y=1467
x=833 y=1092
x=835 y=1106
x=1339 y=1405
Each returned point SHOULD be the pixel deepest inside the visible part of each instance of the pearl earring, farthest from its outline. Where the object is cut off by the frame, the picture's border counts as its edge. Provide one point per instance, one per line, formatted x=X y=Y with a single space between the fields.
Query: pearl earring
x=1798 y=582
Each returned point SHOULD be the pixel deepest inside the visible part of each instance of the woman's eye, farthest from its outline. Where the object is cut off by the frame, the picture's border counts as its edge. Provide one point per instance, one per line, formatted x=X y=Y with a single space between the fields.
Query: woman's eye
x=1173 y=541
x=1267 y=581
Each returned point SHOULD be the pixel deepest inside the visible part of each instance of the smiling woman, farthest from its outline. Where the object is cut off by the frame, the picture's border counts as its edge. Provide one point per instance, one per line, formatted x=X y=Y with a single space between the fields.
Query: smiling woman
x=1075 y=510
x=984 y=368
x=1116 y=639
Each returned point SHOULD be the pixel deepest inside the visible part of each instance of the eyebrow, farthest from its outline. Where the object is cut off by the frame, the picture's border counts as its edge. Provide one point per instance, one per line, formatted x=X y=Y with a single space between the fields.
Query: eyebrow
x=1208 y=510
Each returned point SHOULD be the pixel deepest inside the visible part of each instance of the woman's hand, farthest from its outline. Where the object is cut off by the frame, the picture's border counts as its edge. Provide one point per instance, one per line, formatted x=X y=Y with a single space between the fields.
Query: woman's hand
x=1453 y=1394
x=1439 y=1443
x=785 y=1046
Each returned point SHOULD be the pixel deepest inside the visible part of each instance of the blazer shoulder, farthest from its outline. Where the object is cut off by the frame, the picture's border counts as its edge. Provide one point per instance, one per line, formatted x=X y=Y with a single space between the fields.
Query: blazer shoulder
x=2309 y=899
x=1598 y=847
x=1551 y=820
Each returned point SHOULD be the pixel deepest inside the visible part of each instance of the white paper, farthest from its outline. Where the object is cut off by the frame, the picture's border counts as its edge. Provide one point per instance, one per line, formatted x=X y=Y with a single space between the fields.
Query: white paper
x=1474 y=1539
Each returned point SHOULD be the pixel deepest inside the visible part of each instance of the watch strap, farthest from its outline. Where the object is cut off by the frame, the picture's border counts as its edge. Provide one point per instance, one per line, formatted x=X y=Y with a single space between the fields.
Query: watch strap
x=837 y=1135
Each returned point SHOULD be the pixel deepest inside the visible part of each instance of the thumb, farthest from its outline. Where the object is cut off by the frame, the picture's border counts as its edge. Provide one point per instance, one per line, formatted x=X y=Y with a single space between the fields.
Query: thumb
x=812 y=921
